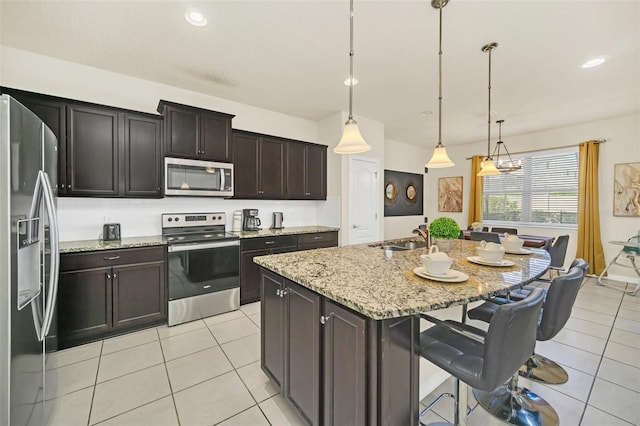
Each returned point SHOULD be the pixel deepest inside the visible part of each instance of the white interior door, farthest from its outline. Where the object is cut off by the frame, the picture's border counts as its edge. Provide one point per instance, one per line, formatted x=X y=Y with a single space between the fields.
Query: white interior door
x=363 y=200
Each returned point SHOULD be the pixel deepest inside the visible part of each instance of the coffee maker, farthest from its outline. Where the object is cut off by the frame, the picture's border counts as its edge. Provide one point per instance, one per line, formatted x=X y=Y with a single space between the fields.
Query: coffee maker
x=250 y=220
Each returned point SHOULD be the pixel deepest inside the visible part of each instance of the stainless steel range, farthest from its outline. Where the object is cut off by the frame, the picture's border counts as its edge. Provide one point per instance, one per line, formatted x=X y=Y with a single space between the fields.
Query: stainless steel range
x=204 y=266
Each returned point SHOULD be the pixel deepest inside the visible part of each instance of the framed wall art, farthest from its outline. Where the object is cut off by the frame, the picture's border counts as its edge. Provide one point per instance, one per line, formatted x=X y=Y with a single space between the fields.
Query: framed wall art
x=626 y=190
x=402 y=193
x=450 y=194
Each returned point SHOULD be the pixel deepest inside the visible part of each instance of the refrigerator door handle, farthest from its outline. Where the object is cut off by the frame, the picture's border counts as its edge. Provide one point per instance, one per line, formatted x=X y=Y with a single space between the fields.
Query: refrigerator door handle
x=43 y=190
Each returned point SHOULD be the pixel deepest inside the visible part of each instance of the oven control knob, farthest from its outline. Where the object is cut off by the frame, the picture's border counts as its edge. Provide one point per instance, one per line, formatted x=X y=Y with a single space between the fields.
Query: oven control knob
x=219 y=217
x=177 y=219
x=169 y=219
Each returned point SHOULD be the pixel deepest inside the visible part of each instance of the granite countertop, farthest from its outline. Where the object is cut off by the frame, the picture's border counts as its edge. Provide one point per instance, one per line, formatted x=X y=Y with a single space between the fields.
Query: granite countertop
x=294 y=230
x=361 y=278
x=94 y=245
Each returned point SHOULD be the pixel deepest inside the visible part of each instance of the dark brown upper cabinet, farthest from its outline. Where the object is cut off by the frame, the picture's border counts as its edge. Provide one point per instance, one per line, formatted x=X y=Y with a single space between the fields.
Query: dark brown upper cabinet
x=196 y=133
x=102 y=151
x=258 y=166
x=306 y=171
x=53 y=113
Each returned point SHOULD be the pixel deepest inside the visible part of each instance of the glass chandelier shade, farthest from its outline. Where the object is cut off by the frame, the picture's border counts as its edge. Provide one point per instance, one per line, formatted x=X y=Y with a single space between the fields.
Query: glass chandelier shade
x=351 y=141
x=440 y=159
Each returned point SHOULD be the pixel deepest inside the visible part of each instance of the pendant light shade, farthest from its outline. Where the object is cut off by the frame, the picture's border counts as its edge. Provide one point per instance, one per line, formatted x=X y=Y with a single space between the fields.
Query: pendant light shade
x=488 y=166
x=504 y=163
x=440 y=159
x=351 y=141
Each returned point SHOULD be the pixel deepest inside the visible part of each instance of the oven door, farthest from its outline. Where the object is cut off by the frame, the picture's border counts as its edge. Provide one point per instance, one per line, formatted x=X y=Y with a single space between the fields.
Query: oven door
x=203 y=268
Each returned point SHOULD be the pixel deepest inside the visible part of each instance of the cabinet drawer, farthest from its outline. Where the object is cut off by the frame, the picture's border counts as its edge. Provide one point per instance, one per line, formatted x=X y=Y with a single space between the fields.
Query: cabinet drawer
x=320 y=237
x=102 y=258
x=268 y=242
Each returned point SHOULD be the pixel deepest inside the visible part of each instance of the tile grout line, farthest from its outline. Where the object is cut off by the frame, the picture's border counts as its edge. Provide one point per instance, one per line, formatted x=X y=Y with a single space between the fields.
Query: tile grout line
x=95 y=384
x=166 y=370
x=595 y=376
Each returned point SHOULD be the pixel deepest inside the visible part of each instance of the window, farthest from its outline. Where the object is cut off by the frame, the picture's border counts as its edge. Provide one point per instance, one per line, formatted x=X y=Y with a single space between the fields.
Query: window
x=544 y=191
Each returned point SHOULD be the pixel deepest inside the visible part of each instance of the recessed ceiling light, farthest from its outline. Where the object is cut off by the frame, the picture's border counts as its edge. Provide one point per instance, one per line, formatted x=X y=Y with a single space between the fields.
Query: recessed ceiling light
x=347 y=81
x=593 y=63
x=195 y=18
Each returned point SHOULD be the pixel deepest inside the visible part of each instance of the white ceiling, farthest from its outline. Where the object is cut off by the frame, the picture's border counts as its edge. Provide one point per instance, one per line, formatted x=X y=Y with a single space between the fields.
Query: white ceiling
x=292 y=56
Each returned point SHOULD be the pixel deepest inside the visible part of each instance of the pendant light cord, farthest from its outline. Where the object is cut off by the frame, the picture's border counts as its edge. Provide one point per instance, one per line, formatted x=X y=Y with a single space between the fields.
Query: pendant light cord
x=489 y=111
x=440 y=81
x=351 y=53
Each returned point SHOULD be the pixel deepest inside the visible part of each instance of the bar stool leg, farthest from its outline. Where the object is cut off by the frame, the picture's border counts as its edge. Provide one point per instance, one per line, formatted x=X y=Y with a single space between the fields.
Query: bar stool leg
x=544 y=370
x=517 y=405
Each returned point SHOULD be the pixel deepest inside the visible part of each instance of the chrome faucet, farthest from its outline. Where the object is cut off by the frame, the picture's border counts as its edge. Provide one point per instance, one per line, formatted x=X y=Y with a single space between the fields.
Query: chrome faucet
x=423 y=233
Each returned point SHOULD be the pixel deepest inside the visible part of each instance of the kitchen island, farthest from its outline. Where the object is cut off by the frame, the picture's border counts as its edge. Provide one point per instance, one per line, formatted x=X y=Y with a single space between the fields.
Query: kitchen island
x=340 y=330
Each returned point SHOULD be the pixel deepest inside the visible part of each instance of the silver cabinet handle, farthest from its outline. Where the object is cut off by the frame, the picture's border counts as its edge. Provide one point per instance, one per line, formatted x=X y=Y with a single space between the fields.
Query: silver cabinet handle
x=269 y=242
x=115 y=275
x=111 y=258
x=108 y=276
x=283 y=292
x=317 y=238
x=324 y=319
x=278 y=291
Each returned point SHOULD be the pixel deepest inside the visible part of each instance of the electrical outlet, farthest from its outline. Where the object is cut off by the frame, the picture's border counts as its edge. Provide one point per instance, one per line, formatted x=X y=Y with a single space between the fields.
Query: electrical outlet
x=426 y=219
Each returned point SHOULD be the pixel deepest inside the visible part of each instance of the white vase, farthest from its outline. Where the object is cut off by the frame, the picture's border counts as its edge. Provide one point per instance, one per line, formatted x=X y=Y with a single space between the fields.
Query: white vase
x=443 y=244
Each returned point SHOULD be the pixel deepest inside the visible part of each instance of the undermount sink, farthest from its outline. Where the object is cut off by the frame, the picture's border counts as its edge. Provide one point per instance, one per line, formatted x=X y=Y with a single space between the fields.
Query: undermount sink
x=395 y=246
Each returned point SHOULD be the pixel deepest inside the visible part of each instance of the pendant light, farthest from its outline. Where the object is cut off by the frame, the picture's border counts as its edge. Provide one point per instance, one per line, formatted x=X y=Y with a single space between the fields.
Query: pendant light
x=352 y=141
x=501 y=164
x=440 y=159
x=488 y=166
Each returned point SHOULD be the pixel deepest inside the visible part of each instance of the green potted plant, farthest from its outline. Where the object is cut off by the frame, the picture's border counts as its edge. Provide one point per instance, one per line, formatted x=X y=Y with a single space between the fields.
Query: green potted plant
x=443 y=230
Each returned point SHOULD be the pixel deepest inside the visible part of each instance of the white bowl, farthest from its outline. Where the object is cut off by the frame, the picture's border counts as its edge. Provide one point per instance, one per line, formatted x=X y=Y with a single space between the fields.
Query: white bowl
x=436 y=266
x=492 y=252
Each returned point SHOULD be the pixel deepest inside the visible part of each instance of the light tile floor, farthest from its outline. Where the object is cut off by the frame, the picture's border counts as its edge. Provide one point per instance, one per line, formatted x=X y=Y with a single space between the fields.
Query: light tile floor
x=208 y=373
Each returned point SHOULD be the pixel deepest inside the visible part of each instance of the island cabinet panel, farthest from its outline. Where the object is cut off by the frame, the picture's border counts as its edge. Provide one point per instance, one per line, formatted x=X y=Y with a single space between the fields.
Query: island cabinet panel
x=108 y=292
x=302 y=350
x=317 y=240
x=196 y=133
x=249 y=271
x=368 y=369
x=306 y=171
x=344 y=366
x=272 y=325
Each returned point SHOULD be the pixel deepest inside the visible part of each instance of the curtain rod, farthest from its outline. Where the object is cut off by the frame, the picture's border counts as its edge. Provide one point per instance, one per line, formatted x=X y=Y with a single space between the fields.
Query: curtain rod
x=598 y=141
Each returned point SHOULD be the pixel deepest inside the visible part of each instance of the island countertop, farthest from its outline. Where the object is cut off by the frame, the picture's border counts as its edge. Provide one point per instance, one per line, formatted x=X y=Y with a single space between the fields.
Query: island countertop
x=363 y=279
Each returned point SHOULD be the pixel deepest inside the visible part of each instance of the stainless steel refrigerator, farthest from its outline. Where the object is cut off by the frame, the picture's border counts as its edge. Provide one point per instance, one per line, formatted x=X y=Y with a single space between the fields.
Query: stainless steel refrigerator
x=29 y=264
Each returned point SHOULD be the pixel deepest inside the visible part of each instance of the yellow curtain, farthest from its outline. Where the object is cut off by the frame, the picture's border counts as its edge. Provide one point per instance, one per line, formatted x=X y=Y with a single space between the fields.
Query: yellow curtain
x=475 y=193
x=589 y=242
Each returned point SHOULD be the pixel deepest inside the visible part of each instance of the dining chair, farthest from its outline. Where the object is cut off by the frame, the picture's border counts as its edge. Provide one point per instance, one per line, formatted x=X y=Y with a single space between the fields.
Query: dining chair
x=483 y=360
x=558 y=252
x=512 y=231
x=484 y=228
x=490 y=237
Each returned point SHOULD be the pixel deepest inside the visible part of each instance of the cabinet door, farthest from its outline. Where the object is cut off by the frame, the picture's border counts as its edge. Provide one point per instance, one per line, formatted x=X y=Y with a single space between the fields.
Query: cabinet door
x=245 y=165
x=271 y=181
x=302 y=350
x=139 y=294
x=344 y=366
x=215 y=138
x=181 y=133
x=53 y=114
x=84 y=303
x=316 y=172
x=250 y=276
x=92 y=151
x=272 y=328
x=296 y=172
x=142 y=156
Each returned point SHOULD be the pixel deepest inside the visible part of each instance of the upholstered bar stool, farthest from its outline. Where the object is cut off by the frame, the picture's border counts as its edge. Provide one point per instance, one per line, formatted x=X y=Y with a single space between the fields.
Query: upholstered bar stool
x=483 y=360
x=512 y=403
x=523 y=292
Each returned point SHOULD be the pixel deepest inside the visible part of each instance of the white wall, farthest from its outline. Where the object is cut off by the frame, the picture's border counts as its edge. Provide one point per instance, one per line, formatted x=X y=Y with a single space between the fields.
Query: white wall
x=82 y=218
x=622 y=146
x=403 y=157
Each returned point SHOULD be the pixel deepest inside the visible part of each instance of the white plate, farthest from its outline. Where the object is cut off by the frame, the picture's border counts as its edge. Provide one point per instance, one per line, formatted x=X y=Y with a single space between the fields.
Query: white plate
x=519 y=251
x=452 y=276
x=480 y=261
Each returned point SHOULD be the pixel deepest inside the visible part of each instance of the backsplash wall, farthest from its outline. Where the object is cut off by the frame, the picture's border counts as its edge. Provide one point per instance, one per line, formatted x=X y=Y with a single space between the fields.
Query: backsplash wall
x=82 y=218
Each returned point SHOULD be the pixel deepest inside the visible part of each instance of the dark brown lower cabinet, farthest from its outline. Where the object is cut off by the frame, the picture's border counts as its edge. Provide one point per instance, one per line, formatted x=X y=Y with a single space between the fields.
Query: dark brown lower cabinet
x=109 y=292
x=336 y=366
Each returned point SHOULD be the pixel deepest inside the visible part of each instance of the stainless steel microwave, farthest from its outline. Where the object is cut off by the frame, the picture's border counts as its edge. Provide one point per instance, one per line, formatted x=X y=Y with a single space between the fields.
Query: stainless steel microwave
x=197 y=178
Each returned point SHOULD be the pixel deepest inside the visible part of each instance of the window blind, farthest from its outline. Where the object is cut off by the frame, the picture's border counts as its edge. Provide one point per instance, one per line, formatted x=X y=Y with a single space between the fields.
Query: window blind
x=545 y=190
